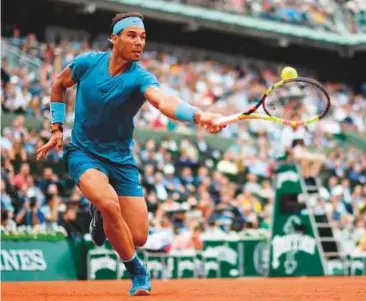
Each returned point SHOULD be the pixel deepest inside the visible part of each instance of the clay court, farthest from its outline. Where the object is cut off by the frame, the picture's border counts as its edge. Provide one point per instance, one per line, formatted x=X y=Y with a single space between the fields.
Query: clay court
x=248 y=289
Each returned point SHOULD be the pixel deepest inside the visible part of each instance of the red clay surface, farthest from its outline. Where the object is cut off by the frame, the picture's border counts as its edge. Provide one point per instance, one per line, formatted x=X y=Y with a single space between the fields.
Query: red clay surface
x=245 y=289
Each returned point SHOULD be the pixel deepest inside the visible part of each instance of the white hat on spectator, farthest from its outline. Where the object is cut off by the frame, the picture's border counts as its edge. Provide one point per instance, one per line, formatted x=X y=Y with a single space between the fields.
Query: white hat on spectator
x=337 y=190
x=7 y=131
x=14 y=79
x=184 y=206
x=169 y=169
x=294 y=91
x=31 y=193
x=324 y=193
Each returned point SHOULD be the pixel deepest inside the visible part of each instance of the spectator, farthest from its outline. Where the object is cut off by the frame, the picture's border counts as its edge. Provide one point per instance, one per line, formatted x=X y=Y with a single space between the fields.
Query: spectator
x=171 y=182
x=187 y=179
x=227 y=165
x=189 y=239
x=167 y=207
x=203 y=147
x=251 y=184
x=72 y=217
x=50 y=211
x=17 y=152
x=7 y=222
x=30 y=214
x=49 y=178
x=148 y=178
x=361 y=248
x=161 y=236
x=6 y=202
x=160 y=187
x=21 y=178
x=6 y=141
x=266 y=192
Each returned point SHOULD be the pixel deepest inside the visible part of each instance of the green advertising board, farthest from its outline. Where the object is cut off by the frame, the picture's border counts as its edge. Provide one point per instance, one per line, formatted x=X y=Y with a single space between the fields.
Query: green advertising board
x=293 y=249
x=157 y=265
x=357 y=265
x=228 y=257
x=255 y=257
x=229 y=253
x=208 y=264
x=354 y=265
x=239 y=256
x=56 y=260
x=182 y=265
x=36 y=260
x=103 y=264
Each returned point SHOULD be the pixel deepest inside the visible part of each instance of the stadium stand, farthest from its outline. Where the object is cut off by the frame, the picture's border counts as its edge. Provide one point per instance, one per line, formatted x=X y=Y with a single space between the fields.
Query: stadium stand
x=328 y=15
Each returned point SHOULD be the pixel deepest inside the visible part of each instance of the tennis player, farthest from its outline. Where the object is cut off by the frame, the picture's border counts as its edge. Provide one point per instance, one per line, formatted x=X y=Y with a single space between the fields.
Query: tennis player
x=112 y=86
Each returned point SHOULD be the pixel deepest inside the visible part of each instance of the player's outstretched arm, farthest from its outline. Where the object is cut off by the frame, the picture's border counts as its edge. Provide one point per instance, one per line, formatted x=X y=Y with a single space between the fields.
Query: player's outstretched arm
x=57 y=107
x=177 y=109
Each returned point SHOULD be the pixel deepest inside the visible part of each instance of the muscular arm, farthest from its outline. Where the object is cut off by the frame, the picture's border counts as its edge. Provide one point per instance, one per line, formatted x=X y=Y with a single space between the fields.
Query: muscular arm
x=59 y=86
x=167 y=104
x=63 y=81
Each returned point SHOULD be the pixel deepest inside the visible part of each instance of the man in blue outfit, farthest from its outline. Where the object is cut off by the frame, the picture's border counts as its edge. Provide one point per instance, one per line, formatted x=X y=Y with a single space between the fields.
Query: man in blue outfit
x=112 y=86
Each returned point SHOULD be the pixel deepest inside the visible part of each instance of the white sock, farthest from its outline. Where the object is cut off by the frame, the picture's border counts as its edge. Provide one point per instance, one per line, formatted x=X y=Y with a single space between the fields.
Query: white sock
x=132 y=258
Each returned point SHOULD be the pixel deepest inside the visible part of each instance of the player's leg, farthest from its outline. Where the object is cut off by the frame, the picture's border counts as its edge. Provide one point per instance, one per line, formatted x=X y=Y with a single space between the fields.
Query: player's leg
x=135 y=214
x=95 y=187
x=125 y=180
x=96 y=228
x=77 y=162
x=92 y=177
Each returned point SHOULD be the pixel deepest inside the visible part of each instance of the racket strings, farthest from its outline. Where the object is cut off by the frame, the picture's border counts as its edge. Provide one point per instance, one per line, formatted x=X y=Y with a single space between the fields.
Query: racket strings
x=296 y=100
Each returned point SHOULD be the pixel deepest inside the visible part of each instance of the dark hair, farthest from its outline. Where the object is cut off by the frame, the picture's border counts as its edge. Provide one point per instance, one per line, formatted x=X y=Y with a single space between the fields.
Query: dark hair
x=32 y=201
x=199 y=227
x=125 y=15
x=4 y=215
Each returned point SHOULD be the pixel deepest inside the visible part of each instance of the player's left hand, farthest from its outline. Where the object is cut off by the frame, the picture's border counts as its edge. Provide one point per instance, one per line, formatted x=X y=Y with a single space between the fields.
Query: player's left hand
x=54 y=142
x=208 y=122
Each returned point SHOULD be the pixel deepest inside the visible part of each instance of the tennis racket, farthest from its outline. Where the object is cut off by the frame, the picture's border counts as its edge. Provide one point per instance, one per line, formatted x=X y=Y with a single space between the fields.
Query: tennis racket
x=296 y=102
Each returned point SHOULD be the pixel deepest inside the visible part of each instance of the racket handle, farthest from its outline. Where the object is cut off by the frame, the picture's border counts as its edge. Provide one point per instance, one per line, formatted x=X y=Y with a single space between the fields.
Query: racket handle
x=228 y=119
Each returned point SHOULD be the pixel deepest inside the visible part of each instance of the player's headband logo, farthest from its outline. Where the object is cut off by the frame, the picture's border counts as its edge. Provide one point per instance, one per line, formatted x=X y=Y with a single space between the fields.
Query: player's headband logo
x=127 y=22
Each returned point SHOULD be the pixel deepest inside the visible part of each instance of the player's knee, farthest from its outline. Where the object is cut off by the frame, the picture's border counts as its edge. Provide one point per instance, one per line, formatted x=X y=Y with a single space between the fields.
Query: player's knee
x=140 y=239
x=110 y=209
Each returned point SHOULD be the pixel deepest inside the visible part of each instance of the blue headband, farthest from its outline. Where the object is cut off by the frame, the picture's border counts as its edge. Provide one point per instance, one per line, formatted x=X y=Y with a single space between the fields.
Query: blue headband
x=128 y=22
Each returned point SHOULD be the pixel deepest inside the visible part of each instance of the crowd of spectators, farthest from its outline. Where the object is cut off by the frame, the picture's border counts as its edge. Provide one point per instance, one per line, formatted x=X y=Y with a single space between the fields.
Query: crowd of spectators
x=323 y=15
x=188 y=184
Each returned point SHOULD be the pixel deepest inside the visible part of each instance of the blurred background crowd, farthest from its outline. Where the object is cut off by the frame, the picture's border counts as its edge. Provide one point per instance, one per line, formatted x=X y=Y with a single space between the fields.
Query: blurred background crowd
x=329 y=15
x=190 y=187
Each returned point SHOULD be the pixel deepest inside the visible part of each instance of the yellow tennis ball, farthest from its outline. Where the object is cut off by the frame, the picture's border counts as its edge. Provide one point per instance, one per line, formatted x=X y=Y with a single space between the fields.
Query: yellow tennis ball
x=288 y=73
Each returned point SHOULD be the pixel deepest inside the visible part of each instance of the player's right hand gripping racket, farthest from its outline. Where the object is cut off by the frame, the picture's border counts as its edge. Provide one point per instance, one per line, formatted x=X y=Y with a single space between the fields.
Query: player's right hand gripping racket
x=296 y=102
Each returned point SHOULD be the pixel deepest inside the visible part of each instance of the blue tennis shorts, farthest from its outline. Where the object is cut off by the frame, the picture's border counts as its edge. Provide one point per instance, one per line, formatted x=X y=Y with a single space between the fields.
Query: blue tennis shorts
x=124 y=178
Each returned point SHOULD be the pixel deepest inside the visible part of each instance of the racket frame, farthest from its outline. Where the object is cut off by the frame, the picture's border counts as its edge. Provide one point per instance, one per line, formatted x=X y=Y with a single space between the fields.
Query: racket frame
x=248 y=115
